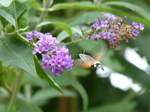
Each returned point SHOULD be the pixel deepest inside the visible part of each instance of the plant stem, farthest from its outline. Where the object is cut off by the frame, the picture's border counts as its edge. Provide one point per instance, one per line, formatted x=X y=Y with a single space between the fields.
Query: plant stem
x=72 y=42
x=23 y=39
x=15 y=92
x=1 y=70
x=46 y=5
x=15 y=15
x=13 y=33
x=27 y=89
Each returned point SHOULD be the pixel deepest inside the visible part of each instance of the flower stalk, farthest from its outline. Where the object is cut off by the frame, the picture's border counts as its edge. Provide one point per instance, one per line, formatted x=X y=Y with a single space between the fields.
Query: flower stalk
x=46 y=5
x=15 y=92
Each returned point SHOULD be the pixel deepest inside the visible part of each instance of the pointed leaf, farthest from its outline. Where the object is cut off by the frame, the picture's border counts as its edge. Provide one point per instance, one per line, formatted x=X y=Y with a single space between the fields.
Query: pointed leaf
x=67 y=79
x=23 y=106
x=62 y=25
x=14 y=52
x=3 y=108
x=132 y=7
x=8 y=17
x=83 y=94
x=22 y=14
x=90 y=6
x=41 y=96
x=5 y=3
x=86 y=17
x=35 y=4
x=76 y=5
x=63 y=35
x=22 y=7
x=45 y=76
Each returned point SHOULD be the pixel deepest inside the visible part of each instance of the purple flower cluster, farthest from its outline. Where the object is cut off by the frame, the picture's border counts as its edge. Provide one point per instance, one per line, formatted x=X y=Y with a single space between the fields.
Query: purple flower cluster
x=111 y=28
x=55 y=58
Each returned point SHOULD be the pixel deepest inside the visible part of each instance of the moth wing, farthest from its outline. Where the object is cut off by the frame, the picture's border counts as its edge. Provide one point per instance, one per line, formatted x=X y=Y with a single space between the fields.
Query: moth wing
x=100 y=54
x=87 y=58
x=78 y=63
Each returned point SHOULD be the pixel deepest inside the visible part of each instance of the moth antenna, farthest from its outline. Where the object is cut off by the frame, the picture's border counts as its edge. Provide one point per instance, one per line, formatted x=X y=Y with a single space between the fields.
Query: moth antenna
x=84 y=52
x=80 y=50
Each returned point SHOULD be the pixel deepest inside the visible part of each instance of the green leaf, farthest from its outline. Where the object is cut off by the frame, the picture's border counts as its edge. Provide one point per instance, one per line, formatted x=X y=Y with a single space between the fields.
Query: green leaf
x=41 y=96
x=4 y=92
x=85 y=17
x=62 y=36
x=30 y=80
x=82 y=73
x=132 y=7
x=23 y=106
x=76 y=30
x=35 y=4
x=16 y=53
x=83 y=94
x=45 y=76
x=112 y=63
x=76 y=5
x=60 y=44
x=67 y=79
x=2 y=108
x=8 y=17
x=22 y=7
x=90 y=45
x=117 y=107
x=62 y=25
x=88 y=5
x=22 y=14
x=23 y=20
x=5 y=3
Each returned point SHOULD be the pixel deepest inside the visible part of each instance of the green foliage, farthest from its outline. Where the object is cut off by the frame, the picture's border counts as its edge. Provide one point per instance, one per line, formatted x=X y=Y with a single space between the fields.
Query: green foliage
x=142 y=12
x=62 y=25
x=5 y=3
x=118 y=107
x=41 y=95
x=18 y=54
x=39 y=91
x=2 y=108
x=7 y=17
x=43 y=75
x=68 y=79
x=22 y=106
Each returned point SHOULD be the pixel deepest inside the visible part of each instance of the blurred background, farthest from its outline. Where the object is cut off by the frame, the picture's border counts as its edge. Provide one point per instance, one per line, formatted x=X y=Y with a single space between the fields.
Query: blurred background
x=124 y=85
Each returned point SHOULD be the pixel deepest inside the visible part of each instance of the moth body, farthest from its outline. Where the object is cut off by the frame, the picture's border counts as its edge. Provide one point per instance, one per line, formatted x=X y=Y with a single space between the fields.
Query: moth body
x=87 y=61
